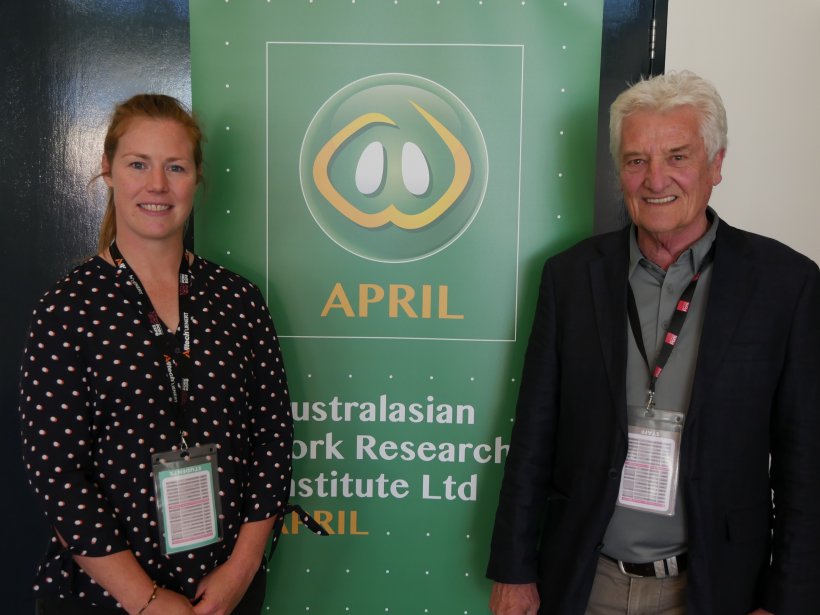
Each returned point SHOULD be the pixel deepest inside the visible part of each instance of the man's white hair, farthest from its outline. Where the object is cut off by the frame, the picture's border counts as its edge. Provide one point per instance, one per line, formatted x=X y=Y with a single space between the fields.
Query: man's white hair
x=666 y=92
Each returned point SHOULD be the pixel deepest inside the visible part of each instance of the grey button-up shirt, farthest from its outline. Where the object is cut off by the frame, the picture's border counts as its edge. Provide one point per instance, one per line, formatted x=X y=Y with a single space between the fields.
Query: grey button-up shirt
x=633 y=535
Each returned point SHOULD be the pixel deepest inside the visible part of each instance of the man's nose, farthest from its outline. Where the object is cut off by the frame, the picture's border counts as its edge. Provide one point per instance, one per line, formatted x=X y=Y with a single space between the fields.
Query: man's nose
x=656 y=177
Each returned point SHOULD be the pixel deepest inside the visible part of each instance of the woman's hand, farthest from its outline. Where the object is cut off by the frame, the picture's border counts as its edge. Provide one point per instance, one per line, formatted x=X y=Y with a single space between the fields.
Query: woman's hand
x=222 y=589
x=169 y=602
x=123 y=577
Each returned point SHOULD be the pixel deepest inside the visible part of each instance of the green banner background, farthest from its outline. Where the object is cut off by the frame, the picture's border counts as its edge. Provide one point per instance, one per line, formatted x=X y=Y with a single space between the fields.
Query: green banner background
x=419 y=408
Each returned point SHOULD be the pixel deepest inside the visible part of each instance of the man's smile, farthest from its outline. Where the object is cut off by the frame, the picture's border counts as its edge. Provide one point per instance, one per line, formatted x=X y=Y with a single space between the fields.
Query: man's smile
x=660 y=200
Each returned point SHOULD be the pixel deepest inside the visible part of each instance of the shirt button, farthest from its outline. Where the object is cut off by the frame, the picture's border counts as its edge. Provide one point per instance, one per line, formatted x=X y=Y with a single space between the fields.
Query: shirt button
x=665 y=325
x=613 y=473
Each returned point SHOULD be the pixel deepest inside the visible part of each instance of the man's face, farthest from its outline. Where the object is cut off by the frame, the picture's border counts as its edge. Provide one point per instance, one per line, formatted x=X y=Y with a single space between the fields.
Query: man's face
x=665 y=173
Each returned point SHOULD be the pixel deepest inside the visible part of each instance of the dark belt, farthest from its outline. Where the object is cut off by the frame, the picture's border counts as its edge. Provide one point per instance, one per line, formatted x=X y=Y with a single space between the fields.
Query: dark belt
x=669 y=567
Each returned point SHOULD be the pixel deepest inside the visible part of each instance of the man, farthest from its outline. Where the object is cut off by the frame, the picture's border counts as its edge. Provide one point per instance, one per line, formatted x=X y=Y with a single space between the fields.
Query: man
x=666 y=451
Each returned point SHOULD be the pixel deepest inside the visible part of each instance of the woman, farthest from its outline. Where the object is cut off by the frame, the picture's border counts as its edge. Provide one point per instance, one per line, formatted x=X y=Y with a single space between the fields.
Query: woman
x=147 y=362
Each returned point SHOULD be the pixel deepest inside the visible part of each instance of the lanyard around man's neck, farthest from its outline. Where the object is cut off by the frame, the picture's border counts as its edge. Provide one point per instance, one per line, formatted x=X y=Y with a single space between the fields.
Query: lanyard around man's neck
x=672 y=333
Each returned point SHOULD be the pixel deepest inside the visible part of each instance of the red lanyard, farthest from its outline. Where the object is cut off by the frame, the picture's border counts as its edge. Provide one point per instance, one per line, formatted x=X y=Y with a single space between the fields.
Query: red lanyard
x=672 y=333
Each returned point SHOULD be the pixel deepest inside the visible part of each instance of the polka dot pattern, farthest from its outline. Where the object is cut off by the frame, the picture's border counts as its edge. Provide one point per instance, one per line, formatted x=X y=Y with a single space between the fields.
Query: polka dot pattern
x=95 y=404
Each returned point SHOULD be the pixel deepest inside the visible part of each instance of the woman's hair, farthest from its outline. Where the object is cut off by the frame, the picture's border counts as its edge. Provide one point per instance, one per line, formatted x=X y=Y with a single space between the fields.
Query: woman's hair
x=151 y=106
x=666 y=92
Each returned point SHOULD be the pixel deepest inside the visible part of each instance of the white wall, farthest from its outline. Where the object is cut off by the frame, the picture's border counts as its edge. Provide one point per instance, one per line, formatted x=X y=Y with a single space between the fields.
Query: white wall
x=763 y=56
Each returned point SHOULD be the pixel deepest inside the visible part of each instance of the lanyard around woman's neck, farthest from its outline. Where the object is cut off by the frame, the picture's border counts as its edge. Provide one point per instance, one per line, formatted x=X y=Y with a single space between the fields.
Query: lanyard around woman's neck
x=675 y=325
x=176 y=356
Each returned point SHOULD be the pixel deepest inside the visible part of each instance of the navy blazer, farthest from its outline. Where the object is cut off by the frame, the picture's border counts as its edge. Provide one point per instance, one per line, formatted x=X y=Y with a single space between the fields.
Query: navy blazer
x=756 y=393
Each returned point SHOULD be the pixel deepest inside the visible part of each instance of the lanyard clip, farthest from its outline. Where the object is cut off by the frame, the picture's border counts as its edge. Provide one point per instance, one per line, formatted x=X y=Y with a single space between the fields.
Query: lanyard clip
x=650 y=403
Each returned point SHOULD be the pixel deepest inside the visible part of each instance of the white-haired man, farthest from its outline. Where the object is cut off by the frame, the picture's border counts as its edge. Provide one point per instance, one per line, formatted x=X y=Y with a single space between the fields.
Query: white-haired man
x=664 y=455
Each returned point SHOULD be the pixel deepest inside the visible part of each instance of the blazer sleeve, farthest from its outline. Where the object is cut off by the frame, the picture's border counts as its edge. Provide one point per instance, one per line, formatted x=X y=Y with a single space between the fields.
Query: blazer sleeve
x=793 y=576
x=524 y=490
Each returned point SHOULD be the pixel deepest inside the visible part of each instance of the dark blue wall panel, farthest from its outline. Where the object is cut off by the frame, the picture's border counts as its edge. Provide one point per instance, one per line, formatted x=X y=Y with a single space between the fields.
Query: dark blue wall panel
x=63 y=64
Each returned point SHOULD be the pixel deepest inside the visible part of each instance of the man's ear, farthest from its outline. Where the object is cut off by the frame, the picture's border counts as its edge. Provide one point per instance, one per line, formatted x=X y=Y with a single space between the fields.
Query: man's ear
x=717 y=166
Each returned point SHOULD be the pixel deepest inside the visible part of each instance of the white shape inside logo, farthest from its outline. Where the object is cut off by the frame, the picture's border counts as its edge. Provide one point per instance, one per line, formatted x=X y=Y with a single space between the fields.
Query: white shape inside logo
x=415 y=172
x=370 y=169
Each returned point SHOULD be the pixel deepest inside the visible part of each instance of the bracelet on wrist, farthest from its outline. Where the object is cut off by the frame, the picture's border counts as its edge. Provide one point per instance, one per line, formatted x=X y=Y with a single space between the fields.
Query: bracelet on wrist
x=150 y=600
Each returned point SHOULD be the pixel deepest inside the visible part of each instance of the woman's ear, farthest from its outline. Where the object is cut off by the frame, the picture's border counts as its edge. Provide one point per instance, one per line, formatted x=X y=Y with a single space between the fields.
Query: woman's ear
x=105 y=167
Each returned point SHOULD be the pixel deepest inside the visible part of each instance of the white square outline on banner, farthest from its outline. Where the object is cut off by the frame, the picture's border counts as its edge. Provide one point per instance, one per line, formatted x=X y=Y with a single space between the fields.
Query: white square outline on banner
x=268 y=44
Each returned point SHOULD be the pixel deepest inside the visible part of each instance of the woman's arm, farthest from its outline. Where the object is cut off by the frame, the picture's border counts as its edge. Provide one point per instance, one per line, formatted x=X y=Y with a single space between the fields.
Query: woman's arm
x=269 y=460
x=58 y=430
x=223 y=588
x=271 y=423
x=123 y=577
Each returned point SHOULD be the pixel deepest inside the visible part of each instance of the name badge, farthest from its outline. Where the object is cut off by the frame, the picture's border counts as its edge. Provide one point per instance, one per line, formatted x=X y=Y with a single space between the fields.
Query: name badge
x=186 y=486
x=649 y=479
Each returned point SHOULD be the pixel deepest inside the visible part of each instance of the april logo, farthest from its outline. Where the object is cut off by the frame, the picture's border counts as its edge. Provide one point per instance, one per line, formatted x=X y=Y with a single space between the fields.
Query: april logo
x=394 y=167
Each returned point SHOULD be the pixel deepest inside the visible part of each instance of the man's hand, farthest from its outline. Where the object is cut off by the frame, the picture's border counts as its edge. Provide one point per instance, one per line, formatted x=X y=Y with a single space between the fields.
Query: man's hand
x=761 y=612
x=514 y=599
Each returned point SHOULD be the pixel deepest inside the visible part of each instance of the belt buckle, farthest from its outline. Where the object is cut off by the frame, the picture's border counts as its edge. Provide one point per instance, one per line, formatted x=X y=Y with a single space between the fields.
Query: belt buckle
x=663 y=569
x=667 y=567
x=629 y=574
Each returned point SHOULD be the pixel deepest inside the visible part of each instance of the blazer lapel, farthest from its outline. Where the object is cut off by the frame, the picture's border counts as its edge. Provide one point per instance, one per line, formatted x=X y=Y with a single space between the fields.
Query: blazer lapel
x=608 y=276
x=733 y=280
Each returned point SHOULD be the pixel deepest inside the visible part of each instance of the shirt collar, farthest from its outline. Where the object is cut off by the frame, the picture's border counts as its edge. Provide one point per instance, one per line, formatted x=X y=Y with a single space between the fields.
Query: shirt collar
x=693 y=255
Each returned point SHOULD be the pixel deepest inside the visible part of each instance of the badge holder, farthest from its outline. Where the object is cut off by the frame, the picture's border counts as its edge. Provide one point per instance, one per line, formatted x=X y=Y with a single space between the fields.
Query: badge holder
x=649 y=479
x=186 y=485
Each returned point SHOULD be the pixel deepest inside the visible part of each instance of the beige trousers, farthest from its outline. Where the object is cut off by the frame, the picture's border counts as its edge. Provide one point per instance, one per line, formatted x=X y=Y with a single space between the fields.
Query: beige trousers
x=614 y=593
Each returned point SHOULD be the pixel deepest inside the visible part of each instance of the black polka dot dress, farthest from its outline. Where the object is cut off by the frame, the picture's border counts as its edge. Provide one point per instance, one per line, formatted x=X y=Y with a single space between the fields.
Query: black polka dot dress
x=95 y=404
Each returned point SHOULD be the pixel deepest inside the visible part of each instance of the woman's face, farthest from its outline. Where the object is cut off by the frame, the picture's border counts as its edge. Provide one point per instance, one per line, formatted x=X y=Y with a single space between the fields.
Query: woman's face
x=153 y=178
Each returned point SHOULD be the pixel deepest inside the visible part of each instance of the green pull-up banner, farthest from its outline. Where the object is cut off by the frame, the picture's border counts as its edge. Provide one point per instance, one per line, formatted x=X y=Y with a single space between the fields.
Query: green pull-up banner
x=392 y=174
